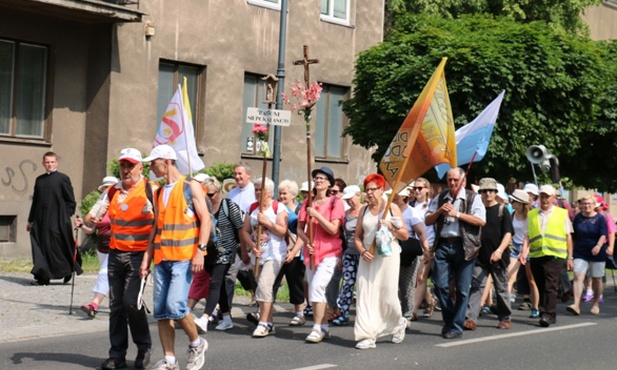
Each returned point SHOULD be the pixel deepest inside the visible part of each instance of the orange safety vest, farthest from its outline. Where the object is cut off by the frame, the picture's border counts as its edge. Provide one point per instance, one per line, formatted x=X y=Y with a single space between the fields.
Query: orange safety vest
x=130 y=227
x=177 y=231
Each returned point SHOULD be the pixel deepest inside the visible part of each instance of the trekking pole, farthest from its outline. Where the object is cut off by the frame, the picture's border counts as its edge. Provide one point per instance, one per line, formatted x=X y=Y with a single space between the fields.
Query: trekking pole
x=74 y=263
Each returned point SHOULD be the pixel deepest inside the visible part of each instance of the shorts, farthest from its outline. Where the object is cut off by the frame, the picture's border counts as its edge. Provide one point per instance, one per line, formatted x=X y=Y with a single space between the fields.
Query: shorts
x=595 y=268
x=265 y=286
x=200 y=287
x=319 y=278
x=516 y=250
x=172 y=280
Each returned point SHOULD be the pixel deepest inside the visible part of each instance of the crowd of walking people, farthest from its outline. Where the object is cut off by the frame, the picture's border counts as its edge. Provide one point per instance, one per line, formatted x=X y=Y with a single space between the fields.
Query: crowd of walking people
x=336 y=246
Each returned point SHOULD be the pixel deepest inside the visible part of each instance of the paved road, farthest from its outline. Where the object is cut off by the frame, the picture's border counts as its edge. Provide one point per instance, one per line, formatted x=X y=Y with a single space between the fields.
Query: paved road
x=38 y=333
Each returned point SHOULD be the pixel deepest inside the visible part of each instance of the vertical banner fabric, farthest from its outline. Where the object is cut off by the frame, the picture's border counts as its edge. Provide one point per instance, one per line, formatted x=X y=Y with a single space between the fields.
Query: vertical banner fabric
x=176 y=130
x=474 y=137
x=426 y=137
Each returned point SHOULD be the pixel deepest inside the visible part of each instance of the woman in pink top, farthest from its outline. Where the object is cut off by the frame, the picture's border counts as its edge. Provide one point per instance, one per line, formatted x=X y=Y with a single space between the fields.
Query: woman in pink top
x=327 y=214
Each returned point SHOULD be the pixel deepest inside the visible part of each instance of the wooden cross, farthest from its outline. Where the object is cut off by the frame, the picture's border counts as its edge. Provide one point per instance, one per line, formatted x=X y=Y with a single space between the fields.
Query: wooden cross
x=306 y=62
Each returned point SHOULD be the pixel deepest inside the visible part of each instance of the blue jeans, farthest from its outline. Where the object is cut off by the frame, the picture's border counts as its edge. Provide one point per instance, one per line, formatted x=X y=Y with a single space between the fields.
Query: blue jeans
x=172 y=281
x=450 y=261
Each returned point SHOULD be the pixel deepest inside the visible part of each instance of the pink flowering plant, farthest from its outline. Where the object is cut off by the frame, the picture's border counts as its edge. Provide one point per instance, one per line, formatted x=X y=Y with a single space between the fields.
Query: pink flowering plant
x=261 y=132
x=303 y=99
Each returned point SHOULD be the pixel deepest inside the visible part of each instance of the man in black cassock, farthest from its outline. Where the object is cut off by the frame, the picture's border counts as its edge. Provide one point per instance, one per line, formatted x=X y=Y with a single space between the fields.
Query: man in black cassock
x=49 y=225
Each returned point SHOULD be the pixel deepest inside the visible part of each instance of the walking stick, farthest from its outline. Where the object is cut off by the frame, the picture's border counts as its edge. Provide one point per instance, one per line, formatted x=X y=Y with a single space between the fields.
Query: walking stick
x=74 y=263
x=260 y=209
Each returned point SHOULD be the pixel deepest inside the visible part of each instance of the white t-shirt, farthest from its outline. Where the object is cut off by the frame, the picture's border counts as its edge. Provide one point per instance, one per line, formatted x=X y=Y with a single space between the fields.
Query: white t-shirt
x=243 y=197
x=273 y=247
x=422 y=209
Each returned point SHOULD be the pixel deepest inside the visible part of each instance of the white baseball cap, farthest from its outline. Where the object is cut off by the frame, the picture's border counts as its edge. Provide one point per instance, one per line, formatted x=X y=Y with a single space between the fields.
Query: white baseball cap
x=201 y=177
x=547 y=189
x=131 y=155
x=305 y=186
x=531 y=188
x=350 y=191
x=501 y=193
x=162 y=151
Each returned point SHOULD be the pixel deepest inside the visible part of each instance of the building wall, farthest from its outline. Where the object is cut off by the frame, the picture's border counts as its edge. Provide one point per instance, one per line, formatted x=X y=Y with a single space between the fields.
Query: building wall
x=602 y=20
x=105 y=85
x=231 y=38
x=70 y=47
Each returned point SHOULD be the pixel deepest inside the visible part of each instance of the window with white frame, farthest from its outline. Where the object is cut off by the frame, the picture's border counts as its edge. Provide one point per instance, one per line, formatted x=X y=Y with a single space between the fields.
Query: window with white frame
x=23 y=89
x=336 y=11
x=272 y=4
x=253 y=95
x=330 y=122
x=170 y=75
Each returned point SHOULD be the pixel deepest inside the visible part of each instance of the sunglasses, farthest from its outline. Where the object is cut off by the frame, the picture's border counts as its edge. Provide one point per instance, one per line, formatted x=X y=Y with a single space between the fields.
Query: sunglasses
x=334 y=192
x=212 y=194
x=418 y=188
x=487 y=191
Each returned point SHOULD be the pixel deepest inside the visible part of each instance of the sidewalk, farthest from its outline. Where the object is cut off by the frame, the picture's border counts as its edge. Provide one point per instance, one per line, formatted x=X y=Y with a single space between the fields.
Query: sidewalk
x=31 y=312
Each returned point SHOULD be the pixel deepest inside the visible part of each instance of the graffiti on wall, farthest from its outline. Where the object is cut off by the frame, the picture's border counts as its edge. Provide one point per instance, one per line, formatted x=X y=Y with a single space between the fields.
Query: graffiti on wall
x=18 y=178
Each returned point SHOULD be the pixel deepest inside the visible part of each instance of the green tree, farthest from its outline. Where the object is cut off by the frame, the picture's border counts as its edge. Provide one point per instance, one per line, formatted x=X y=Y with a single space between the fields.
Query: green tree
x=561 y=15
x=221 y=171
x=553 y=86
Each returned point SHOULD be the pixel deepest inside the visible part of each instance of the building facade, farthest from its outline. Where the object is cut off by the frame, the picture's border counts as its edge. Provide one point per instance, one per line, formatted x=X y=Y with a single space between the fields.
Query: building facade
x=85 y=78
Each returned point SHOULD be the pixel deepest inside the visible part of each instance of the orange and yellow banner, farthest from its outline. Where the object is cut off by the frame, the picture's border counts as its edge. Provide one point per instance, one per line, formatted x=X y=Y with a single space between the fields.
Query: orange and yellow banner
x=426 y=137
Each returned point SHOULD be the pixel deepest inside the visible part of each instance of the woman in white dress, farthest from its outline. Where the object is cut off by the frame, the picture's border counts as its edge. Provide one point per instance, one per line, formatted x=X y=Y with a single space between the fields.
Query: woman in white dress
x=378 y=309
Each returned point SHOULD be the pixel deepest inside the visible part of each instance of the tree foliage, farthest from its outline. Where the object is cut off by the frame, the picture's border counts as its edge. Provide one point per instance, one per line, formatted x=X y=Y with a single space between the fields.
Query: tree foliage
x=561 y=15
x=560 y=90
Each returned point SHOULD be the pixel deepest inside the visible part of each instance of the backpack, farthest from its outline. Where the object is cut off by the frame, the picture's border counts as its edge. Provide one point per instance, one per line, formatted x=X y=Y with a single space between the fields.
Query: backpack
x=275 y=207
x=215 y=233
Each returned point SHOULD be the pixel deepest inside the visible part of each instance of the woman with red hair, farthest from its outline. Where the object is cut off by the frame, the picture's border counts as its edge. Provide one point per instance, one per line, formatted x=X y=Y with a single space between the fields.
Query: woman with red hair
x=378 y=309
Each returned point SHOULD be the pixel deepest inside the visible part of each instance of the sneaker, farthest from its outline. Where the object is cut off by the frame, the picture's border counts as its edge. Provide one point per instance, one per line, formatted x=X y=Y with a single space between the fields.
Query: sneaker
x=535 y=313
x=197 y=355
x=89 y=310
x=202 y=323
x=316 y=336
x=400 y=331
x=262 y=330
x=342 y=320
x=225 y=325
x=588 y=297
x=143 y=359
x=308 y=310
x=253 y=317
x=163 y=365
x=366 y=344
x=271 y=329
x=299 y=321
x=113 y=363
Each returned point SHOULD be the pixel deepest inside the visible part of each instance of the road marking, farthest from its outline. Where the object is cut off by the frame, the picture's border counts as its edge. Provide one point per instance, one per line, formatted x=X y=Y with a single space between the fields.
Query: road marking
x=511 y=335
x=316 y=367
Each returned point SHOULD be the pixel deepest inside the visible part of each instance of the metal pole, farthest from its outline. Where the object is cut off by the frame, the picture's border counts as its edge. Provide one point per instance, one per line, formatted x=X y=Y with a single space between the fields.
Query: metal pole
x=280 y=74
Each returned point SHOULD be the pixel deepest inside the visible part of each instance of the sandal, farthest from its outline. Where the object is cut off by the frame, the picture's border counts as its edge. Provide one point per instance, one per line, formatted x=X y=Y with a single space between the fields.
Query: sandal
x=297 y=321
x=342 y=320
x=430 y=308
x=595 y=310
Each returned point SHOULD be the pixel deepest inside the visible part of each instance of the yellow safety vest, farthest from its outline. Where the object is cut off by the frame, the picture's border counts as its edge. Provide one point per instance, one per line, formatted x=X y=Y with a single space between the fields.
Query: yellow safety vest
x=554 y=241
